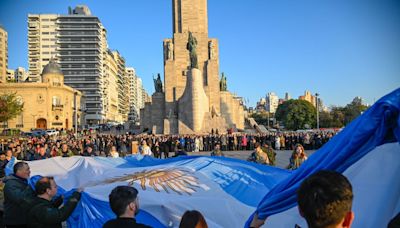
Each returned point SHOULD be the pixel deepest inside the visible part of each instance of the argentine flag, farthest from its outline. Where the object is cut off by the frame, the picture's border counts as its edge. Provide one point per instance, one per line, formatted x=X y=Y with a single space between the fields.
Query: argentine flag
x=229 y=191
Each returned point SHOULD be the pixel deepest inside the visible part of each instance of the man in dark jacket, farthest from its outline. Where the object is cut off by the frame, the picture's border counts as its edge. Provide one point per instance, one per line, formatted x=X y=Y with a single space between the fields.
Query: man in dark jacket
x=17 y=196
x=43 y=212
x=124 y=203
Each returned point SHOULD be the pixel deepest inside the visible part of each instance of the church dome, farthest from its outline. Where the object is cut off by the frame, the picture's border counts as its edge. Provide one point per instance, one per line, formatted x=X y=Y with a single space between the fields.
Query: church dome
x=52 y=68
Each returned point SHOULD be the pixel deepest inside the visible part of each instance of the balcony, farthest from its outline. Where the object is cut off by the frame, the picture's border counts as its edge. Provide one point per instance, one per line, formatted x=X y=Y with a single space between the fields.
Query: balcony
x=78 y=61
x=78 y=29
x=78 y=48
x=77 y=54
x=77 y=42
x=56 y=107
x=77 y=21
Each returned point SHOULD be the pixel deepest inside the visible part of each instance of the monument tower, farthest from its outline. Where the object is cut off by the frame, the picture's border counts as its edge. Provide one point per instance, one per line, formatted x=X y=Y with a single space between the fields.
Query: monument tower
x=191 y=100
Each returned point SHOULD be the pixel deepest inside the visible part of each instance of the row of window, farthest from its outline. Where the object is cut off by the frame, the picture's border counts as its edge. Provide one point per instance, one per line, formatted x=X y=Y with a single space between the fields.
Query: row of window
x=49 y=33
x=79 y=46
x=49 y=46
x=48 y=19
x=79 y=33
x=79 y=66
x=47 y=39
x=80 y=26
x=78 y=39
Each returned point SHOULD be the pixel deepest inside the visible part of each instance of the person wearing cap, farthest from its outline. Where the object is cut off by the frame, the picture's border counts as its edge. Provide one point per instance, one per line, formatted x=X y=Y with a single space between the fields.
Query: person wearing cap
x=124 y=203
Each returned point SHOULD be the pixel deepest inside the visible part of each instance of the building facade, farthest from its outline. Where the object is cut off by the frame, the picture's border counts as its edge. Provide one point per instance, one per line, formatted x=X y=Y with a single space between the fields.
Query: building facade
x=47 y=105
x=134 y=110
x=308 y=97
x=3 y=54
x=122 y=86
x=111 y=89
x=78 y=42
x=42 y=43
x=272 y=102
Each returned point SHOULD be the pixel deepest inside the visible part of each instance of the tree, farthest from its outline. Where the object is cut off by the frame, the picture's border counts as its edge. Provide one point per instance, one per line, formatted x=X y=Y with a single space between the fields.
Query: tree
x=296 y=114
x=325 y=119
x=353 y=110
x=337 y=114
x=261 y=117
x=10 y=106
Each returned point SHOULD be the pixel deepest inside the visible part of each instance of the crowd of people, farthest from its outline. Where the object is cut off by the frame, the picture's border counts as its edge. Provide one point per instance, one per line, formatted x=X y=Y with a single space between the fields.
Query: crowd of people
x=37 y=148
x=161 y=146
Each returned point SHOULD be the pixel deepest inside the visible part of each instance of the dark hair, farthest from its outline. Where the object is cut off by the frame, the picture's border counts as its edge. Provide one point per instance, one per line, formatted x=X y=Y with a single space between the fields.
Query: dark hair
x=256 y=145
x=193 y=219
x=19 y=166
x=179 y=146
x=324 y=198
x=120 y=197
x=42 y=185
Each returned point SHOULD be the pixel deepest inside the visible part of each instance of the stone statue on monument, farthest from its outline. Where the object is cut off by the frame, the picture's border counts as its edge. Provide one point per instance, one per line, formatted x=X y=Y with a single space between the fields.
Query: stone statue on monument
x=191 y=46
x=211 y=50
x=214 y=112
x=170 y=50
x=158 y=84
x=222 y=83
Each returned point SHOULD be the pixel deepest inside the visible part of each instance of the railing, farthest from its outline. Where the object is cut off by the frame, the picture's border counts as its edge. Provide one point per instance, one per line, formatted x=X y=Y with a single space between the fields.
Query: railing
x=57 y=107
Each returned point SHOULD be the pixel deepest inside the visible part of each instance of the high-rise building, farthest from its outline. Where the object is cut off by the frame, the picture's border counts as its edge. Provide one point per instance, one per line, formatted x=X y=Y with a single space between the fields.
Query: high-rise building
x=287 y=96
x=78 y=42
x=308 y=97
x=122 y=86
x=272 y=102
x=3 y=54
x=10 y=75
x=133 y=99
x=20 y=74
x=42 y=43
x=140 y=95
x=261 y=105
x=111 y=88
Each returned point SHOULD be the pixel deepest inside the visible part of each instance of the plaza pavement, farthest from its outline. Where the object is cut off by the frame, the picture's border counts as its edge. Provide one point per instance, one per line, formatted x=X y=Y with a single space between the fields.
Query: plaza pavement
x=282 y=156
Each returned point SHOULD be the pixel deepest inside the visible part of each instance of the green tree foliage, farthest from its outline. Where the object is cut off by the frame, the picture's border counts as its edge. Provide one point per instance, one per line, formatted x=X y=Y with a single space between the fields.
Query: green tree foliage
x=332 y=119
x=353 y=110
x=10 y=106
x=337 y=114
x=296 y=114
x=261 y=117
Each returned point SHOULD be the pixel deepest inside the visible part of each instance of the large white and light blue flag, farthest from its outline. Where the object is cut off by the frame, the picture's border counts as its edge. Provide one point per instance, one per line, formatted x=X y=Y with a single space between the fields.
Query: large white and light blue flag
x=225 y=190
x=228 y=191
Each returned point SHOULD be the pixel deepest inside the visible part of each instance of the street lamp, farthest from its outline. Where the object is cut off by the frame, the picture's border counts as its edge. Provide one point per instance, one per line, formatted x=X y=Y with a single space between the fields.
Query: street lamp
x=316 y=100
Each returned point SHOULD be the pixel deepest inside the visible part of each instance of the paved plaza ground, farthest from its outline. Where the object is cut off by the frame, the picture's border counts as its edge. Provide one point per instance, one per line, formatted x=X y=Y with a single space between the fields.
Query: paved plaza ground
x=282 y=156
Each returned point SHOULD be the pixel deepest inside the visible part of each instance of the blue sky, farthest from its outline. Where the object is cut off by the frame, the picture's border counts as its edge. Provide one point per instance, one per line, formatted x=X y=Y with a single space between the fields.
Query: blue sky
x=338 y=48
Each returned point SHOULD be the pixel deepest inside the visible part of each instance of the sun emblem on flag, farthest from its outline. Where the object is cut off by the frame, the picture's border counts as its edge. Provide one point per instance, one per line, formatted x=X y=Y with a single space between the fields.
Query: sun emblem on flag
x=169 y=180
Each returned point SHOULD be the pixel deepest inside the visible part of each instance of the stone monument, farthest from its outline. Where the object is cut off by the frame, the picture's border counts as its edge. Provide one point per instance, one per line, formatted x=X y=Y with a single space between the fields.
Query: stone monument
x=192 y=100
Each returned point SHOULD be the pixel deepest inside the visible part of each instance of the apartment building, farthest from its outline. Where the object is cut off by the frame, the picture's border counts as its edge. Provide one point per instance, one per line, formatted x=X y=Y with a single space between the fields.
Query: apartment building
x=78 y=43
x=111 y=88
x=3 y=54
